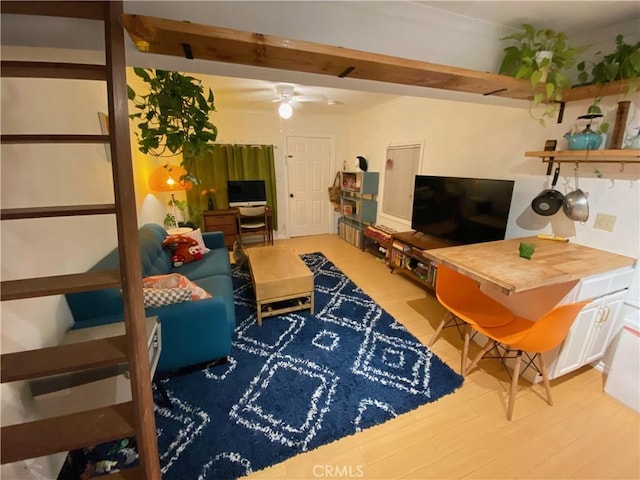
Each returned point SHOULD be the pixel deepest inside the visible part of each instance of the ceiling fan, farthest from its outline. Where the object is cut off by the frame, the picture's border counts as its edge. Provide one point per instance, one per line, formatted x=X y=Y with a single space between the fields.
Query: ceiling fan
x=241 y=91
x=286 y=92
x=287 y=97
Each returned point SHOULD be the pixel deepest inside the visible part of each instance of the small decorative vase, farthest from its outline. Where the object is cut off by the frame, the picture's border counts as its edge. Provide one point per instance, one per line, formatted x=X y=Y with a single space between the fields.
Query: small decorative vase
x=210 y=203
x=540 y=56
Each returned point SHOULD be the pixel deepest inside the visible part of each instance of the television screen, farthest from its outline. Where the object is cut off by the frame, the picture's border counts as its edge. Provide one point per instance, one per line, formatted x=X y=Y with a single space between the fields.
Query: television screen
x=461 y=210
x=246 y=193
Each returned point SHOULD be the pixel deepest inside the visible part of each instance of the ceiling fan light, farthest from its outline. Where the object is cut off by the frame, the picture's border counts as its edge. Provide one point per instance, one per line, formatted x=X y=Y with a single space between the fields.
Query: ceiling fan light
x=285 y=111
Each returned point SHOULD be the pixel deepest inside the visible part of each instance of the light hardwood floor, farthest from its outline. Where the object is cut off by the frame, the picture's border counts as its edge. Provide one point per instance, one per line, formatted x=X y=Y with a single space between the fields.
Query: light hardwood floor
x=585 y=435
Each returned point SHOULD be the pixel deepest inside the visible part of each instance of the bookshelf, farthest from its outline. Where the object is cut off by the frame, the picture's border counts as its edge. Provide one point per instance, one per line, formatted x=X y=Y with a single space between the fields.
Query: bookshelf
x=358 y=205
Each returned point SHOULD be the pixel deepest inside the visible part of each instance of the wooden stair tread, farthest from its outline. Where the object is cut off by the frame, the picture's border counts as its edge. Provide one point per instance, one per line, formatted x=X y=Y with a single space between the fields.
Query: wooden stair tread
x=67 y=432
x=79 y=71
x=58 y=284
x=71 y=9
x=134 y=473
x=73 y=357
x=57 y=211
x=45 y=437
x=54 y=138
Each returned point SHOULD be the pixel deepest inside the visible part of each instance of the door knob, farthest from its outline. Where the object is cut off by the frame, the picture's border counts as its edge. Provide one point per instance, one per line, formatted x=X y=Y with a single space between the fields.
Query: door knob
x=291 y=195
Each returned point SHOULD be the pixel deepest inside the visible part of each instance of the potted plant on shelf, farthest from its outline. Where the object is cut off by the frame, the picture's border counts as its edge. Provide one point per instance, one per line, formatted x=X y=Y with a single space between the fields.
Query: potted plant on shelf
x=174 y=116
x=621 y=64
x=541 y=56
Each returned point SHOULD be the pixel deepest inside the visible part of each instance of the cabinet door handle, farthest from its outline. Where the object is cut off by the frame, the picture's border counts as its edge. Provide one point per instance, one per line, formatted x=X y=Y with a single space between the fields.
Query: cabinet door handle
x=604 y=315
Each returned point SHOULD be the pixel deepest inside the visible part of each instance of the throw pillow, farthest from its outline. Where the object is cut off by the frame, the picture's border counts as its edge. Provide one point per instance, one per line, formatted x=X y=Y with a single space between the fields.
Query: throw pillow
x=159 y=297
x=183 y=249
x=197 y=236
x=175 y=280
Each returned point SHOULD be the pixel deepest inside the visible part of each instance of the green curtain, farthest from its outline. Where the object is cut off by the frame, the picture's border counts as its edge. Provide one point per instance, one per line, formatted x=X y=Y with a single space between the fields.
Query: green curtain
x=231 y=162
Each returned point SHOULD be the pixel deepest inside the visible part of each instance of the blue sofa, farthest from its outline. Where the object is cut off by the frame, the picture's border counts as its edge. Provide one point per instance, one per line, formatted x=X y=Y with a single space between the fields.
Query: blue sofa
x=192 y=332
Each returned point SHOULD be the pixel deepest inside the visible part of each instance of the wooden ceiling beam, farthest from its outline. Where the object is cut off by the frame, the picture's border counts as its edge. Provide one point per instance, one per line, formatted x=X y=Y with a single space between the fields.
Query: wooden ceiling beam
x=171 y=37
x=203 y=42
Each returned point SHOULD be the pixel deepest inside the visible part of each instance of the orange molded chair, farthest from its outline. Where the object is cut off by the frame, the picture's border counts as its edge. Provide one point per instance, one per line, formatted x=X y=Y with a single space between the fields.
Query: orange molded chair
x=467 y=306
x=527 y=337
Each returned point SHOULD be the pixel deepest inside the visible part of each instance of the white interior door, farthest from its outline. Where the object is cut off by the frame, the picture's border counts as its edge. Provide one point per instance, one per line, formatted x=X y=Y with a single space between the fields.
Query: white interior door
x=309 y=162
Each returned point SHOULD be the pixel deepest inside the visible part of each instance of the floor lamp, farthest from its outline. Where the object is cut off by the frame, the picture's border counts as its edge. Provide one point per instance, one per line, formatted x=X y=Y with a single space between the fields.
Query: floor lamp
x=167 y=178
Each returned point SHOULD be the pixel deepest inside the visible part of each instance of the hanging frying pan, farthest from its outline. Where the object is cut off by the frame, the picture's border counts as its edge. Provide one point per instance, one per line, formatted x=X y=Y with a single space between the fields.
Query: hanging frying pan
x=575 y=204
x=549 y=201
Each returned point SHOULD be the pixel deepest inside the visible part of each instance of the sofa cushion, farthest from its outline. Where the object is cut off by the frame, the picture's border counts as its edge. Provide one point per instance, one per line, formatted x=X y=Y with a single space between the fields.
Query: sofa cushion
x=222 y=286
x=155 y=259
x=213 y=263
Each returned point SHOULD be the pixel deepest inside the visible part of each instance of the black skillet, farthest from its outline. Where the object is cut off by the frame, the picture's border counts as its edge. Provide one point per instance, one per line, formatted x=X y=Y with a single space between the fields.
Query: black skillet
x=549 y=201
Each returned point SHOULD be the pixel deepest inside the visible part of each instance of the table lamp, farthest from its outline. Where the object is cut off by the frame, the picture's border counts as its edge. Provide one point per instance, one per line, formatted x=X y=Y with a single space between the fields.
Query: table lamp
x=167 y=178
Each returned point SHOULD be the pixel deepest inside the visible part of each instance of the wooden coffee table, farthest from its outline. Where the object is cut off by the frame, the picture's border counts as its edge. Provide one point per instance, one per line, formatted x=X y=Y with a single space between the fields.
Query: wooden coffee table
x=281 y=280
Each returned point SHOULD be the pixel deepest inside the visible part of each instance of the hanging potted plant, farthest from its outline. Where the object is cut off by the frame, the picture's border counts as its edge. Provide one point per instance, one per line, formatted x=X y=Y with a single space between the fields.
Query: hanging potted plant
x=173 y=117
x=543 y=57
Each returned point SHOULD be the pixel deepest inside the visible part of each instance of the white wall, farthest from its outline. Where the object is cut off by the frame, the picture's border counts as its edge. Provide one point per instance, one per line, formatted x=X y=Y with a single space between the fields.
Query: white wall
x=470 y=140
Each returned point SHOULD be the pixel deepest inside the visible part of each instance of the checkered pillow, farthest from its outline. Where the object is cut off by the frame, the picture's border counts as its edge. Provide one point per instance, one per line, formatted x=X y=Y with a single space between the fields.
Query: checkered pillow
x=159 y=297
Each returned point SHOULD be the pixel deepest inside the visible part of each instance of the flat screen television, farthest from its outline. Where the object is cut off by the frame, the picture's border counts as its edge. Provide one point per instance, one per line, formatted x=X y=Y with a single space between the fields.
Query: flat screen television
x=461 y=210
x=246 y=193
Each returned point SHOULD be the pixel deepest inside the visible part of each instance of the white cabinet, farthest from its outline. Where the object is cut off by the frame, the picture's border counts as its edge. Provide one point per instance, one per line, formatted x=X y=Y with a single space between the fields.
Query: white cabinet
x=590 y=334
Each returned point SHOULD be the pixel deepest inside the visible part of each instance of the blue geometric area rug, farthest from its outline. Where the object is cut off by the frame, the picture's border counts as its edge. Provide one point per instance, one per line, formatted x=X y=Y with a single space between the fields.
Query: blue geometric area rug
x=298 y=382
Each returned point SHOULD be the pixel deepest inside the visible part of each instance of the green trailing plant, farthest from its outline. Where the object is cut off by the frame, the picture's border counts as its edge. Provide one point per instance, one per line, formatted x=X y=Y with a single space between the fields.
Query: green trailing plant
x=594 y=111
x=188 y=213
x=621 y=64
x=522 y=61
x=173 y=116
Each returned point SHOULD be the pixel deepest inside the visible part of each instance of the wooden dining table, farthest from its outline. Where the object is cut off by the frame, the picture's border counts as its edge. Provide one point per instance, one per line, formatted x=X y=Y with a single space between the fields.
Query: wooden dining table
x=553 y=262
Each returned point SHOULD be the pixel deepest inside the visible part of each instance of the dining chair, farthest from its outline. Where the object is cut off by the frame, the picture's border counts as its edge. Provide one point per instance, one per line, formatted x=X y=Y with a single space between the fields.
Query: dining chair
x=467 y=306
x=253 y=221
x=527 y=337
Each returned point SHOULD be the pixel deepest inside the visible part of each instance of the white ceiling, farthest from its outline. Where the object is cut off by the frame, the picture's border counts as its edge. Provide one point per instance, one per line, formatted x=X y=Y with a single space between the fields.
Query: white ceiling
x=460 y=33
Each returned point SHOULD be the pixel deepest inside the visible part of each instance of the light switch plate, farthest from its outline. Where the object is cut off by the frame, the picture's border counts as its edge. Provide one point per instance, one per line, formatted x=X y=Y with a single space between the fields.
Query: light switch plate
x=605 y=222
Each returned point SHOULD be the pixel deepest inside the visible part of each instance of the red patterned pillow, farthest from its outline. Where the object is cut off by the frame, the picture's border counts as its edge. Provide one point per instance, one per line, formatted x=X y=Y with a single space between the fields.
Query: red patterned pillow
x=183 y=249
x=197 y=236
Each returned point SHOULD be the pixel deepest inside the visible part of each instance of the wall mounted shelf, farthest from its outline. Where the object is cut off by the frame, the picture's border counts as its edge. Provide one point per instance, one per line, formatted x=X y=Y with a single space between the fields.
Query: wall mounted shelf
x=204 y=42
x=588 y=156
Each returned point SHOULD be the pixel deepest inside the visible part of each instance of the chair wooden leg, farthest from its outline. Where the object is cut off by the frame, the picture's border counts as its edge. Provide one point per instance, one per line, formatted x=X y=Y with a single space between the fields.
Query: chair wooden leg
x=488 y=346
x=435 y=335
x=514 y=385
x=545 y=379
x=465 y=350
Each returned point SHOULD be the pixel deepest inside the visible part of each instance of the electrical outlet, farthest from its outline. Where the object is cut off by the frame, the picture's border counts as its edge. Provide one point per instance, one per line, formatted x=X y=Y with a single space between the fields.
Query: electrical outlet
x=605 y=222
